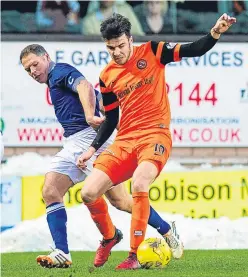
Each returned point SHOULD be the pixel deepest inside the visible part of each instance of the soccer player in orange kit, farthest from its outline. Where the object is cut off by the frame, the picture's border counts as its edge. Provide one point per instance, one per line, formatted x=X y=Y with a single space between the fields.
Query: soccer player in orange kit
x=135 y=81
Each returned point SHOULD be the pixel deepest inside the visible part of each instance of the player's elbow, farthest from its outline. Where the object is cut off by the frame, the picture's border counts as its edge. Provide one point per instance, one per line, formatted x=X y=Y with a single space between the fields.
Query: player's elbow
x=112 y=117
x=192 y=50
x=195 y=52
x=200 y=53
x=83 y=86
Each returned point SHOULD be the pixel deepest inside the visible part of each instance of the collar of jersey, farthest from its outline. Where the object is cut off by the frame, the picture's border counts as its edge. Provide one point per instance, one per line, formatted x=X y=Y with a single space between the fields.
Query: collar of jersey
x=51 y=66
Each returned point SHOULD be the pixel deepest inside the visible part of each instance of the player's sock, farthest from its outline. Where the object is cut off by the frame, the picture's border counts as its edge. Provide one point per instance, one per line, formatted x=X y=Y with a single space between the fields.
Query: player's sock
x=56 y=219
x=157 y=222
x=100 y=215
x=140 y=215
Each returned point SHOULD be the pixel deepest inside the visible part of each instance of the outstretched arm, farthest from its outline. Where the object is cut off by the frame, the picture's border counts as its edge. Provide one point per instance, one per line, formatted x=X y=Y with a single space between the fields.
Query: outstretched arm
x=204 y=44
x=169 y=52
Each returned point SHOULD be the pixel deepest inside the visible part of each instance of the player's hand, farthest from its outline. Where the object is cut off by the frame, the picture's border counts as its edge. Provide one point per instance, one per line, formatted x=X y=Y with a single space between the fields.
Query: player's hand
x=83 y=158
x=223 y=23
x=95 y=121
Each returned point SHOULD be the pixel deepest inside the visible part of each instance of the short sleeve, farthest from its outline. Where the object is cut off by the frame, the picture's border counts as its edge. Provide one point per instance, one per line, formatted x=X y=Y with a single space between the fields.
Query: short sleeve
x=72 y=79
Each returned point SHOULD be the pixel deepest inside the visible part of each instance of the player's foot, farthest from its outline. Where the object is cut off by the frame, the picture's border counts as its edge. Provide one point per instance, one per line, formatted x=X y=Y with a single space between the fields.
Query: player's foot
x=57 y=258
x=131 y=262
x=175 y=244
x=104 y=250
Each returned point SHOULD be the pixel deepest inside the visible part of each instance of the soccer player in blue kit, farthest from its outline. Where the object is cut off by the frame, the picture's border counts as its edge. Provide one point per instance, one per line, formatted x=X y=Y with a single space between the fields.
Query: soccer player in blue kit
x=77 y=108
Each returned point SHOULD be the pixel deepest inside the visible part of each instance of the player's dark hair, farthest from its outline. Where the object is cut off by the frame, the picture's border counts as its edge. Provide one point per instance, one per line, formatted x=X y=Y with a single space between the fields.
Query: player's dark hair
x=115 y=26
x=33 y=48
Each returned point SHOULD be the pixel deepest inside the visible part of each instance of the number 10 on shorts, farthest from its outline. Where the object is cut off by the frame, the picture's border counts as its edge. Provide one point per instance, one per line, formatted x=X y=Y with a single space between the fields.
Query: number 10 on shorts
x=159 y=149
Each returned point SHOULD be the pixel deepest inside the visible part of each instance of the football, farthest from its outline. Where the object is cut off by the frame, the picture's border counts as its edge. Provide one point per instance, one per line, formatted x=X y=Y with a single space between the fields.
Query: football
x=154 y=253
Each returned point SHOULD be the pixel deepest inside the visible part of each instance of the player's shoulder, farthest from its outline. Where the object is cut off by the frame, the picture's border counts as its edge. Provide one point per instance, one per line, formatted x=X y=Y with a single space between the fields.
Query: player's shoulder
x=108 y=72
x=64 y=68
x=59 y=72
x=144 y=48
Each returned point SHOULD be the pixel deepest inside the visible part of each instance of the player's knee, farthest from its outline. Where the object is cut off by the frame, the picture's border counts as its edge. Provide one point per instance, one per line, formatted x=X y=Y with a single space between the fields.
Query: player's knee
x=143 y=177
x=139 y=187
x=88 y=196
x=141 y=183
x=50 y=194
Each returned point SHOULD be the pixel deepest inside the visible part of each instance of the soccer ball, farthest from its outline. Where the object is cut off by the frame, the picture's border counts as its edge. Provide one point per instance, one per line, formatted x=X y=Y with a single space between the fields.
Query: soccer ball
x=154 y=253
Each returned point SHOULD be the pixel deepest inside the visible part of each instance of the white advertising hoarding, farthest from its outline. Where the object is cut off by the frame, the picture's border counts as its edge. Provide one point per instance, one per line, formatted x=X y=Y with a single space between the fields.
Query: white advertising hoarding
x=208 y=95
x=11 y=205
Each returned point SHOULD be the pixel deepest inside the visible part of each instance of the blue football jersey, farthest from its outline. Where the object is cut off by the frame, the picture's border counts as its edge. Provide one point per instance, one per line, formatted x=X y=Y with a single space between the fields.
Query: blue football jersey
x=63 y=80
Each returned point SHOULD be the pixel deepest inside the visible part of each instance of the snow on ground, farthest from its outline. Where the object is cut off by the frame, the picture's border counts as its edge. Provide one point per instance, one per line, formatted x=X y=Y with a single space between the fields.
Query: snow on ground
x=34 y=235
x=26 y=164
x=20 y=165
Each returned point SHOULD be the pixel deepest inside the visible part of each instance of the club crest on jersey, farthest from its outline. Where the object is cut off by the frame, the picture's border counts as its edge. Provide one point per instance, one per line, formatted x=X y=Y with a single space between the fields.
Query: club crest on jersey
x=141 y=64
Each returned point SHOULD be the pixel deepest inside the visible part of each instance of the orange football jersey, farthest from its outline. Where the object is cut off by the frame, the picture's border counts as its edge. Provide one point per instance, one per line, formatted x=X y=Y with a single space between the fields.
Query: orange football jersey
x=139 y=88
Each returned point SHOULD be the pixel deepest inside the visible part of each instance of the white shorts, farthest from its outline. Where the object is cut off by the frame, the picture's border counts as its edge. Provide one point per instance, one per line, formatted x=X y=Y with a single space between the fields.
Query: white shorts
x=65 y=161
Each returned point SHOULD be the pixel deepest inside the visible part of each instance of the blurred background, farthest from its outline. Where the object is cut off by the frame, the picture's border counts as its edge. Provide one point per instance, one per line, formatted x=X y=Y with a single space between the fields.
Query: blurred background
x=147 y=17
x=206 y=178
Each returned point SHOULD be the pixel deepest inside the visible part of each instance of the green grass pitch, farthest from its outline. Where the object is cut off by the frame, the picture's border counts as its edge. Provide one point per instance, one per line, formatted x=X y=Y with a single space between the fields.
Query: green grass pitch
x=194 y=263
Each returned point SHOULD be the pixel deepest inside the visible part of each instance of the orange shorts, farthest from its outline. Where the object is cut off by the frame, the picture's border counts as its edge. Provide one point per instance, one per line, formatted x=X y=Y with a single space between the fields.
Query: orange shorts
x=120 y=159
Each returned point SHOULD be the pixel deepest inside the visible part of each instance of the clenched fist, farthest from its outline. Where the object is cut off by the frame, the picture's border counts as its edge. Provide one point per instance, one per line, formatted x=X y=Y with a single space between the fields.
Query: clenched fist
x=83 y=158
x=95 y=121
x=223 y=24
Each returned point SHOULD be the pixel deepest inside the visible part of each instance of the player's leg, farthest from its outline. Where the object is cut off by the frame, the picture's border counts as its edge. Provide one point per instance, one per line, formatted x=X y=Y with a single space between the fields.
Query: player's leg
x=156 y=149
x=55 y=187
x=95 y=186
x=153 y=152
x=109 y=170
x=119 y=197
x=143 y=176
x=63 y=173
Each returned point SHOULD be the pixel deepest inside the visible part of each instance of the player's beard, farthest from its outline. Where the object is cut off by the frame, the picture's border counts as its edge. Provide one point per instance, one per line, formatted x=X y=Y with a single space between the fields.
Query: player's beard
x=128 y=54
